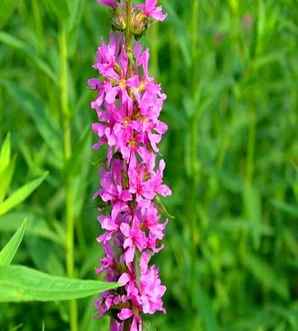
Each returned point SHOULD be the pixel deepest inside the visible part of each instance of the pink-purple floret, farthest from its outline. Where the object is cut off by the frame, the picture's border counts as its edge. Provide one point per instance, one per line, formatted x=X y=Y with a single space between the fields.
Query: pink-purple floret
x=128 y=105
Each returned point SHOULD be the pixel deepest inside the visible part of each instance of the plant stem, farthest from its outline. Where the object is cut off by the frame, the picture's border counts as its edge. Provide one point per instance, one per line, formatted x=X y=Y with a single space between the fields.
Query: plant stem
x=128 y=35
x=251 y=146
x=128 y=46
x=128 y=23
x=154 y=43
x=37 y=19
x=194 y=122
x=69 y=200
x=194 y=42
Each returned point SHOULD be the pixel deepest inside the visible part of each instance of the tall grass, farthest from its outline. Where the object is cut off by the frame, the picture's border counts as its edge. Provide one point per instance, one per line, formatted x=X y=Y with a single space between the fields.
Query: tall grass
x=230 y=69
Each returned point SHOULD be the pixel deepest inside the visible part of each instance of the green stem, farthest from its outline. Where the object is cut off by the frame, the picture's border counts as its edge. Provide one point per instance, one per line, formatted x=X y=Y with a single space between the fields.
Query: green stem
x=194 y=123
x=128 y=46
x=251 y=147
x=194 y=42
x=38 y=24
x=70 y=222
x=128 y=34
x=128 y=20
x=194 y=120
x=154 y=49
x=69 y=200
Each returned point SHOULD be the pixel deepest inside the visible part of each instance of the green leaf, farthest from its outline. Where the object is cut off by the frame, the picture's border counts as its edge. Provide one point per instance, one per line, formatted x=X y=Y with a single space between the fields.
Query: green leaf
x=6 y=167
x=59 y=9
x=76 y=12
x=205 y=308
x=6 y=9
x=253 y=211
x=36 y=109
x=267 y=275
x=5 y=178
x=286 y=207
x=21 y=45
x=181 y=34
x=20 y=284
x=5 y=153
x=20 y=195
x=9 y=251
x=36 y=225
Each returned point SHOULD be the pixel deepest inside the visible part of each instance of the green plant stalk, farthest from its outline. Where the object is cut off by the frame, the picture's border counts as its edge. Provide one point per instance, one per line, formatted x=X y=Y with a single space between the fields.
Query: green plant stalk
x=128 y=34
x=192 y=230
x=64 y=94
x=128 y=45
x=37 y=19
x=251 y=147
x=194 y=41
x=194 y=121
x=194 y=125
x=69 y=200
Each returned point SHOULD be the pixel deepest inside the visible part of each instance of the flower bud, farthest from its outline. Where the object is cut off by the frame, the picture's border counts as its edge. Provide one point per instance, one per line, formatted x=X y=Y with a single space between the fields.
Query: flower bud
x=119 y=20
x=139 y=23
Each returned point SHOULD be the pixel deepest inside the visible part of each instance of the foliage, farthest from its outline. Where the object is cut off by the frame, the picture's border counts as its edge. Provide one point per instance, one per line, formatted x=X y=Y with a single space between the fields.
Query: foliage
x=19 y=283
x=230 y=72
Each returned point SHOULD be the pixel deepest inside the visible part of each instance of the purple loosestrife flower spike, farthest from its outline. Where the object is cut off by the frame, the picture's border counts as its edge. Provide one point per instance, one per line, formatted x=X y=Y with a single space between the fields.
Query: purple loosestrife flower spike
x=128 y=105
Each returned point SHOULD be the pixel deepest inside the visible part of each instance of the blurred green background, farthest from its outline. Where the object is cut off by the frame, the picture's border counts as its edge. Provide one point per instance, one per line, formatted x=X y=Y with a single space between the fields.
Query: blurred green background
x=230 y=69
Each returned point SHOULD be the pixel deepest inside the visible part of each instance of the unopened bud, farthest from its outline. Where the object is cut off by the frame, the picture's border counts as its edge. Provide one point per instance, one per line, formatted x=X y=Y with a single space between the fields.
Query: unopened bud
x=139 y=23
x=119 y=20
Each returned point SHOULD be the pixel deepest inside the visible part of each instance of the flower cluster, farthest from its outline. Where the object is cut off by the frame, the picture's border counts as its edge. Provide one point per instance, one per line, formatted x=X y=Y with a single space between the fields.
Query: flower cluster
x=141 y=15
x=128 y=105
x=149 y=8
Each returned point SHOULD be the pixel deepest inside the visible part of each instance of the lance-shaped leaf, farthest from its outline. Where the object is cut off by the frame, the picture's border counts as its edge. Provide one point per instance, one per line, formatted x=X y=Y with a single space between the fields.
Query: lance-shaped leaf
x=20 y=284
x=20 y=195
x=9 y=251
x=6 y=167
x=5 y=153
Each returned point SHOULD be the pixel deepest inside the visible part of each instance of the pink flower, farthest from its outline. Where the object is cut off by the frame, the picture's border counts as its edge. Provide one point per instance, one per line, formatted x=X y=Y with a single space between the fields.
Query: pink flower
x=150 y=9
x=151 y=288
x=155 y=183
x=116 y=326
x=147 y=188
x=111 y=183
x=126 y=313
x=109 y=57
x=149 y=217
x=142 y=58
x=134 y=238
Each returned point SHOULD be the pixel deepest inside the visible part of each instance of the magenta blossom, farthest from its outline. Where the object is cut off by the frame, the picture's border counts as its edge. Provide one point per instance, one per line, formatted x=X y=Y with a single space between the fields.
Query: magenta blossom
x=151 y=9
x=150 y=287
